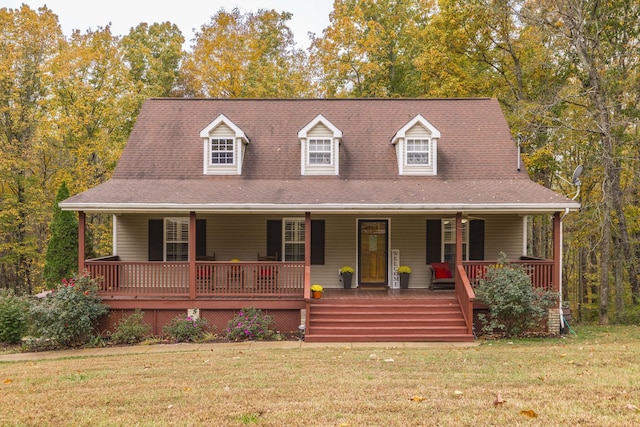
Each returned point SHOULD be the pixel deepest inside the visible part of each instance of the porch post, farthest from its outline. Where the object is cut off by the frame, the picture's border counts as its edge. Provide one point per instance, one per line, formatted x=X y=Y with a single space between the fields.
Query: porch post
x=82 y=223
x=458 y=239
x=557 y=252
x=192 y=255
x=307 y=255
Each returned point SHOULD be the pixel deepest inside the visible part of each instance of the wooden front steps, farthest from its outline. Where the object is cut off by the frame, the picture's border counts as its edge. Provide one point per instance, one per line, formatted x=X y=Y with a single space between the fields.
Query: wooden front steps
x=386 y=320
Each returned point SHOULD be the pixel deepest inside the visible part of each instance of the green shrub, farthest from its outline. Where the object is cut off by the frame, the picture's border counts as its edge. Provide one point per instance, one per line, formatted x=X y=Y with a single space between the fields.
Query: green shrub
x=68 y=315
x=250 y=324
x=186 y=328
x=515 y=307
x=14 y=315
x=131 y=329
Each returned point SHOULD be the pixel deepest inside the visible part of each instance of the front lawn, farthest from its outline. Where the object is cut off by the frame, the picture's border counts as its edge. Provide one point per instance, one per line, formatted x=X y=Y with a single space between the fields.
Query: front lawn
x=590 y=379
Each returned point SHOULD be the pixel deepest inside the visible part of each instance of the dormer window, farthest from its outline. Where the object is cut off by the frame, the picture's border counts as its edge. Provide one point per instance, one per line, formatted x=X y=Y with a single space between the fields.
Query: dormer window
x=224 y=147
x=417 y=147
x=320 y=147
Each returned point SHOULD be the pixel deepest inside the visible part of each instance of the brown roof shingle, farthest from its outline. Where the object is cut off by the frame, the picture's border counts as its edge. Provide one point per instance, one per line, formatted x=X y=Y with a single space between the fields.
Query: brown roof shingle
x=161 y=166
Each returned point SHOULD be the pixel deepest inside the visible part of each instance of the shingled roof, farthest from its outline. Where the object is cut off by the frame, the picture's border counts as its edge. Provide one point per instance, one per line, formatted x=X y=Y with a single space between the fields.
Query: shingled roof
x=161 y=168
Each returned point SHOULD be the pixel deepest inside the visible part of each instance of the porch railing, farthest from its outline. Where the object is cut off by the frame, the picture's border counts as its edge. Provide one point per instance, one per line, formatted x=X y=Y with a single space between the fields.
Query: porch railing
x=465 y=296
x=540 y=272
x=213 y=278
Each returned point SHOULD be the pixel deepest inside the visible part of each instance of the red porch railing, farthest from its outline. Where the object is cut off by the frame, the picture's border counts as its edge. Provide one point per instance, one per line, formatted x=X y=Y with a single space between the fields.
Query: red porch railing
x=540 y=272
x=465 y=296
x=213 y=278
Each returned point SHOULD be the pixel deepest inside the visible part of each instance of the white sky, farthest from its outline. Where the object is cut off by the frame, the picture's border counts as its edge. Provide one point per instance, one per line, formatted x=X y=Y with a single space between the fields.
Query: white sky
x=188 y=15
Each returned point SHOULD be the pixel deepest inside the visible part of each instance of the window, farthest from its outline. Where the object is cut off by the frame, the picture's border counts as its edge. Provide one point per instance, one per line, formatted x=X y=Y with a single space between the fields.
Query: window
x=319 y=147
x=416 y=145
x=224 y=147
x=221 y=151
x=176 y=239
x=449 y=240
x=418 y=152
x=293 y=239
x=320 y=152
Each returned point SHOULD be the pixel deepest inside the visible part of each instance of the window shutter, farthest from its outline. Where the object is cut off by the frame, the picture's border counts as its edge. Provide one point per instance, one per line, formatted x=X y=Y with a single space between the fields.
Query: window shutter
x=156 y=229
x=317 y=241
x=201 y=238
x=274 y=238
x=476 y=239
x=434 y=240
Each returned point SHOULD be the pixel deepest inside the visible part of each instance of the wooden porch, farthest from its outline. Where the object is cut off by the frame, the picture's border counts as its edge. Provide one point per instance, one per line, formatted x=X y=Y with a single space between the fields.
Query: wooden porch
x=415 y=314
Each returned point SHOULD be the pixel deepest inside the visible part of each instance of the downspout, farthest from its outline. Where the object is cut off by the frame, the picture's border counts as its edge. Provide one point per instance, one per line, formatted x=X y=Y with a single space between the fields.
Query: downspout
x=566 y=212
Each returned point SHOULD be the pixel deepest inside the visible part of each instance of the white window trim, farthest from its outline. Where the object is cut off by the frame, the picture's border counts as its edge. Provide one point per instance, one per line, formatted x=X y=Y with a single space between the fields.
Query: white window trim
x=311 y=141
x=429 y=151
x=465 y=237
x=165 y=240
x=211 y=151
x=300 y=222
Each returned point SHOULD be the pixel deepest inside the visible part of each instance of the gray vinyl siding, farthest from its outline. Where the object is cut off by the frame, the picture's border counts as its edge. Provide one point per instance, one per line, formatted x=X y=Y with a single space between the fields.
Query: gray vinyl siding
x=133 y=237
x=245 y=236
x=503 y=233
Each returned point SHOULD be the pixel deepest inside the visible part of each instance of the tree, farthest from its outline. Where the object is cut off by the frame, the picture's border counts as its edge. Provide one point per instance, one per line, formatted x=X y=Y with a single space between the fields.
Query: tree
x=246 y=55
x=370 y=48
x=602 y=45
x=28 y=41
x=62 y=254
x=153 y=54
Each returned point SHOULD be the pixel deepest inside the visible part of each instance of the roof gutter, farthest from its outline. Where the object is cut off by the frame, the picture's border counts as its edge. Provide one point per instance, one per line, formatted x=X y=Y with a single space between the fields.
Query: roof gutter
x=525 y=208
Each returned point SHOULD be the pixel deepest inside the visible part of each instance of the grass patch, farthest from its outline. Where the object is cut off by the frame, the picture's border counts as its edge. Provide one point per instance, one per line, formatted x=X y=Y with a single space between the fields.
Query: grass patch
x=589 y=379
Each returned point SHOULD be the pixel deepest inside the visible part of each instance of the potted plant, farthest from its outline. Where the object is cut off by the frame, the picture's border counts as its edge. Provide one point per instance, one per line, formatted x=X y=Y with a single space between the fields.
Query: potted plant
x=347 y=275
x=316 y=290
x=404 y=271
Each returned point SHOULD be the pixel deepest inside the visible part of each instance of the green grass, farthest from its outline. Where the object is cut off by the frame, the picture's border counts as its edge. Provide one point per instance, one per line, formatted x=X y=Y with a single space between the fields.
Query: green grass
x=589 y=380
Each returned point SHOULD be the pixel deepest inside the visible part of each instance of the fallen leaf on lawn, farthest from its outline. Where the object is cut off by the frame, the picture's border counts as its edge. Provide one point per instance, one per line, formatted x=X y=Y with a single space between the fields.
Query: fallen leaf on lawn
x=417 y=399
x=170 y=406
x=345 y=425
x=631 y=407
x=457 y=392
x=499 y=400
x=529 y=413
x=8 y=381
x=186 y=389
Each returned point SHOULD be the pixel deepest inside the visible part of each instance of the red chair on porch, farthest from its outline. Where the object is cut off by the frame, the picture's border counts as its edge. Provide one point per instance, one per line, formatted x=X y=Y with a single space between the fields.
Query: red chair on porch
x=441 y=276
x=267 y=276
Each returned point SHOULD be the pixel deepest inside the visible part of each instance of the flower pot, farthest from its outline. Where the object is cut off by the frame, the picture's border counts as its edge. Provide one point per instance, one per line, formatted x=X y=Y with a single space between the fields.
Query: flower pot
x=317 y=294
x=404 y=280
x=346 y=280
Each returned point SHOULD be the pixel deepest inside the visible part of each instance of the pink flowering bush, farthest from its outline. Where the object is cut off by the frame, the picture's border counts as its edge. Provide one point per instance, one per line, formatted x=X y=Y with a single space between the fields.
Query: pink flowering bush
x=250 y=324
x=186 y=328
x=68 y=315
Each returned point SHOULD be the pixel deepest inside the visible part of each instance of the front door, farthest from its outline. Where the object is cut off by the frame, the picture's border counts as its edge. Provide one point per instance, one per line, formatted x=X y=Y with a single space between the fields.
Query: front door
x=372 y=252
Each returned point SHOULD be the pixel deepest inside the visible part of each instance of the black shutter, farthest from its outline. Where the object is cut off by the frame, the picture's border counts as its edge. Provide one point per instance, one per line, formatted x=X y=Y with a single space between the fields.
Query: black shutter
x=274 y=238
x=201 y=238
x=434 y=240
x=156 y=229
x=317 y=241
x=476 y=239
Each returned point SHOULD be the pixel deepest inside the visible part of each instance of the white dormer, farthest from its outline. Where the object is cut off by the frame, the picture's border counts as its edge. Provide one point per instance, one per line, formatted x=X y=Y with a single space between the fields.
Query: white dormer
x=224 y=146
x=417 y=147
x=320 y=147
